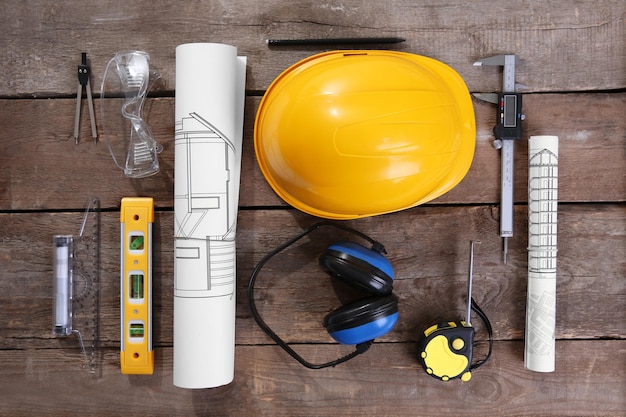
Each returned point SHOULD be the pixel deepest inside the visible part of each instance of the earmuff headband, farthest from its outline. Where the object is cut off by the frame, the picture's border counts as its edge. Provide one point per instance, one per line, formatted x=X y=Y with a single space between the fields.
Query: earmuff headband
x=360 y=348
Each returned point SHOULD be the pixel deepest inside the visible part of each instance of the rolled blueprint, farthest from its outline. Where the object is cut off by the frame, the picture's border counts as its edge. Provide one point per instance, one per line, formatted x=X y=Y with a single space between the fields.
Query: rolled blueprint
x=210 y=92
x=543 y=156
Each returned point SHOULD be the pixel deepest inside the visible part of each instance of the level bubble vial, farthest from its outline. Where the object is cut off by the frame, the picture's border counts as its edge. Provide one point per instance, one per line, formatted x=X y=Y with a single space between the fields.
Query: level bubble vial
x=136 y=330
x=136 y=286
x=136 y=242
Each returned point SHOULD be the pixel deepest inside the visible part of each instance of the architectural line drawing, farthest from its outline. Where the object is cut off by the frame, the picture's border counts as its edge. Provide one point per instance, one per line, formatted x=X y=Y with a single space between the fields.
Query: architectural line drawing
x=208 y=138
x=542 y=188
x=205 y=219
x=542 y=252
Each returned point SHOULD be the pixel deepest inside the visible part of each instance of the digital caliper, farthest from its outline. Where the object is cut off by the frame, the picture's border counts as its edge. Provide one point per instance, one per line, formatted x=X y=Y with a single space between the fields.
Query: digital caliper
x=508 y=128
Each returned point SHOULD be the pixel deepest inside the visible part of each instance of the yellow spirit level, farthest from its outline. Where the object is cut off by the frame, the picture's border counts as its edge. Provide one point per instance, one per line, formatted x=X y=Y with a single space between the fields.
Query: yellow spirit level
x=136 y=218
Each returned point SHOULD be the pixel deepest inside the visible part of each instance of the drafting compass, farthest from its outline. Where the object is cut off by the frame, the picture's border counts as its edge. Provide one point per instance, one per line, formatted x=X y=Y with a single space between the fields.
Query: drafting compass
x=84 y=73
x=508 y=128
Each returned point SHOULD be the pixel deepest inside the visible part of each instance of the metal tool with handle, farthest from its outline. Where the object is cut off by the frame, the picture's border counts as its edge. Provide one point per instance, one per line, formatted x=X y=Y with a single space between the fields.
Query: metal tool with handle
x=508 y=128
x=84 y=73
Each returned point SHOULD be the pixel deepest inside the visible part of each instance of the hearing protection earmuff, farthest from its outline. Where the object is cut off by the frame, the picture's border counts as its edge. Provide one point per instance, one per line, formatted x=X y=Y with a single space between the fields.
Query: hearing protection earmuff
x=356 y=323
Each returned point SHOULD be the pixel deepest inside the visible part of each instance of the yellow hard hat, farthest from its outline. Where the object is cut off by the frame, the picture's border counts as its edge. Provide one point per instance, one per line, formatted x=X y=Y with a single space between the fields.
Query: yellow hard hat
x=349 y=134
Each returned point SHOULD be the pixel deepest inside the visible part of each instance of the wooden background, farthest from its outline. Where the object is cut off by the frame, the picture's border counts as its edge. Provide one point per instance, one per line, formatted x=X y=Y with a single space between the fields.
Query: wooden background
x=575 y=67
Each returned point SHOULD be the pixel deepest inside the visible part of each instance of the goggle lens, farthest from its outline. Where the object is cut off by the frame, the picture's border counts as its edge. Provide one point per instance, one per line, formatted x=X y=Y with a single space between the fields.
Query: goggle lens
x=128 y=136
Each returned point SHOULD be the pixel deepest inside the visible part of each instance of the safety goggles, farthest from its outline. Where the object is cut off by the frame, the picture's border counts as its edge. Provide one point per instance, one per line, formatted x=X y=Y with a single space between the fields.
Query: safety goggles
x=127 y=78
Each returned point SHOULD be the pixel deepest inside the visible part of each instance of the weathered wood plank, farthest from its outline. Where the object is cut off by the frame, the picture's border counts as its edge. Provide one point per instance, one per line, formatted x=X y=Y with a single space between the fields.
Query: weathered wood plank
x=590 y=380
x=42 y=168
x=429 y=251
x=565 y=47
x=569 y=50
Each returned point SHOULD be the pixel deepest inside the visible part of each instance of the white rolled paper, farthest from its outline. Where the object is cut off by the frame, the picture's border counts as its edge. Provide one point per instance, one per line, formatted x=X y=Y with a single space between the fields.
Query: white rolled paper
x=210 y=93
x=543 y=156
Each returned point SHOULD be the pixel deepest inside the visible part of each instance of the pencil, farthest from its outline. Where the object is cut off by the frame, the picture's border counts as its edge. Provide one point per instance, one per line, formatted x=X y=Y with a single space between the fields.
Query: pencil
x=332 y=41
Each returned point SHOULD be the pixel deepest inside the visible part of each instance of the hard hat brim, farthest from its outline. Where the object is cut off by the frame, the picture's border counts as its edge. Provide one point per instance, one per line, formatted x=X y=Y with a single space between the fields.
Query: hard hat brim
x=349 y=134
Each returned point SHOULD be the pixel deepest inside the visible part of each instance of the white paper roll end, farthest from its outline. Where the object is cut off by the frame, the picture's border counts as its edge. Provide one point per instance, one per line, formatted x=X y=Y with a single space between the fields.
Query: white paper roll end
x=538 y=363
x=201 y=361
x=540 y=344
x=539 y=142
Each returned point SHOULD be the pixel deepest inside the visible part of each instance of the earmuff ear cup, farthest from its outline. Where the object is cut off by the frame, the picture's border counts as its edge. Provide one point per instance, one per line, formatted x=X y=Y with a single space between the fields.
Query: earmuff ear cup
x=363 y=320
x=359 y=266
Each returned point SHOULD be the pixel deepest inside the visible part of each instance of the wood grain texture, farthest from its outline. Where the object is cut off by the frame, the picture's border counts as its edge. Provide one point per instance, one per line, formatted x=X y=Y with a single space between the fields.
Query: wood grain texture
x=574 y=66
x=42 y=168
x=566 y=47
x=430 y=266
x=387 y=380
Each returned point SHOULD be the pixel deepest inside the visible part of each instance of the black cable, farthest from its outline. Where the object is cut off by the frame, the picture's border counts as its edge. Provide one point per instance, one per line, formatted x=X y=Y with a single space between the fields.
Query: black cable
x=487 y=323
x=360 y=348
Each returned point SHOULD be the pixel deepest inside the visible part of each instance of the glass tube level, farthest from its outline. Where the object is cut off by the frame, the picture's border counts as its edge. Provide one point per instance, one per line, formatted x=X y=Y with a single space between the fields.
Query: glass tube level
x=63 y=271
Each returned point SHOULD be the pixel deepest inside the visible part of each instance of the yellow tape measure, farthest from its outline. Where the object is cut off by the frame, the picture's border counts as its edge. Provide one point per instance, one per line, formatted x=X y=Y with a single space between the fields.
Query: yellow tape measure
x=445 y=350
x=136 y=219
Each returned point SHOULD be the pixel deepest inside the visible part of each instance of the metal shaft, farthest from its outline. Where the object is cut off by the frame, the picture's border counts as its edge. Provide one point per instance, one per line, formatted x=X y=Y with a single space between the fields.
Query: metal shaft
x=79 y=96
x=469 y=284
x=92 y=116
x=507 y=157
x=506 y=193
